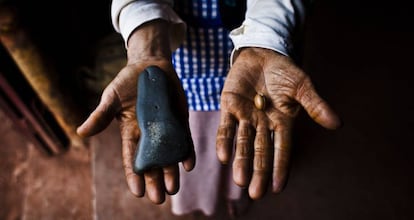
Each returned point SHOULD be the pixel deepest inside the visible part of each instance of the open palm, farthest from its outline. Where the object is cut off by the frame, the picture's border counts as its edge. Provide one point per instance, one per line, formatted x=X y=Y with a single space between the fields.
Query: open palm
x=118 y=101
x=263 y=137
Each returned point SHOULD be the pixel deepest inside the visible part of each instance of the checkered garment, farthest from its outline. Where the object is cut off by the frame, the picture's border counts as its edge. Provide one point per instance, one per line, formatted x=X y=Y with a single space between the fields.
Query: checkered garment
x=202 y=61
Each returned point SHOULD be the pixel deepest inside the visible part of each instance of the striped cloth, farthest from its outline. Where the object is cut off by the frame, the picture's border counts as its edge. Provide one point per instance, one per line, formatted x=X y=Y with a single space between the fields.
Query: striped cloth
x=202 y=61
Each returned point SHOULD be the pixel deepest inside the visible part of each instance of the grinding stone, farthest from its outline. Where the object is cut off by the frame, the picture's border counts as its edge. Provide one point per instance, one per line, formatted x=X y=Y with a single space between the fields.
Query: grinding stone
x=164 y=140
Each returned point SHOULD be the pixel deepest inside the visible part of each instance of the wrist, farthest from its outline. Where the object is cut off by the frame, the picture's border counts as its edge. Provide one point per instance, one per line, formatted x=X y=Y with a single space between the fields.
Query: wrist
x=149 y=41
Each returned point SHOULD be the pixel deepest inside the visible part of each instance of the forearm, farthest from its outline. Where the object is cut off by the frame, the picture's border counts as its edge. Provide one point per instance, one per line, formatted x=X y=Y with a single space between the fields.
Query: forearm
x=269 y=24
x=127 y=15
x=149 y=41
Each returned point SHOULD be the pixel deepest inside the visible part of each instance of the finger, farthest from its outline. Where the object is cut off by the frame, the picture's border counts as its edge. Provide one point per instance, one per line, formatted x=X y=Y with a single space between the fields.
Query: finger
x=129 y=139
x=282 y=149
x=171 y=177
x=154 y=183
x=190 y=162
x=262 y=163
x=225 y=137
x=100 y=118
x=243 y=155
x=316 y=107
x=135 y=182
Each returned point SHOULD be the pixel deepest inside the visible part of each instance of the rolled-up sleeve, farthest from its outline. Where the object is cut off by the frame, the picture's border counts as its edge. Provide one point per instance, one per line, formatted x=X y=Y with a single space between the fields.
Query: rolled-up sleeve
x=269 y=24
x=127 y=15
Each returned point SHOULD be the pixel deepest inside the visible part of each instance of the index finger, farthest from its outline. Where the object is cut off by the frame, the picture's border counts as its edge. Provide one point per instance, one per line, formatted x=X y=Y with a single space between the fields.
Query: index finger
x=189 y=163
x=129 y=137
x=225 y=137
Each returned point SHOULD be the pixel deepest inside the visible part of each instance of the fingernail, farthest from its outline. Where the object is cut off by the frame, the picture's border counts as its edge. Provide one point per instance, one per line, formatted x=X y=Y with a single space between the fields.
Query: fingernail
x=78 y=130
x=81 y=131
x=239 y=177
x=134 y=188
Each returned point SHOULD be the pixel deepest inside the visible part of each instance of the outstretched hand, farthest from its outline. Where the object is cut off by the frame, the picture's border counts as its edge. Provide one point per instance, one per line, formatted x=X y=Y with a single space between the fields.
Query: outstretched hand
x=118 y=101
x=147 y=47
x=263 y=137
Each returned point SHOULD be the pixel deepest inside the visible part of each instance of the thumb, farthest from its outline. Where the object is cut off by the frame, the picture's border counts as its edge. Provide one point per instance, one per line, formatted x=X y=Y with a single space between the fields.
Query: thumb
x=316 y=107
x=100 y=118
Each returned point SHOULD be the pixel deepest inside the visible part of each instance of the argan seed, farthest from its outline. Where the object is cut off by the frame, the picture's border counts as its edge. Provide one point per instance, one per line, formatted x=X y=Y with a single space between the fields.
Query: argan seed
x=260 y=101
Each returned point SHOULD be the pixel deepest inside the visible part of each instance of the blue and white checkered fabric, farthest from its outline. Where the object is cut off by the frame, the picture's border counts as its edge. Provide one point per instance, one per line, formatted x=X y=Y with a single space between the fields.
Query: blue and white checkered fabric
x=202 y=61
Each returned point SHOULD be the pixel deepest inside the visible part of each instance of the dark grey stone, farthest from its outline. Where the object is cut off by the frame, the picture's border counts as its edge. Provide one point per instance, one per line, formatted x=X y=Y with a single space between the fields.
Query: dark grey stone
x=164 y=140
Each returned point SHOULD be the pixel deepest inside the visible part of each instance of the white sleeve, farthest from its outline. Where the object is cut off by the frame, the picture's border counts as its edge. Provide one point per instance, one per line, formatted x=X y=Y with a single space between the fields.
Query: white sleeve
x=127 y=15
x=269 y=24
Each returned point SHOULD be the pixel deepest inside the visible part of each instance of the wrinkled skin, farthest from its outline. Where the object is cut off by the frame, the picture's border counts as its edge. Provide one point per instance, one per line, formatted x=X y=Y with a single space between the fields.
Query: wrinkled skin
x=259 y=156
x=147 y=46
x=263 y=137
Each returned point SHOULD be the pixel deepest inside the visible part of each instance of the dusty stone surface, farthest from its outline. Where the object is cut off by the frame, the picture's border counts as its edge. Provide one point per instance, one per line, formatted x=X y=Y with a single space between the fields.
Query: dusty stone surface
x=34 y=185
x=13 y=170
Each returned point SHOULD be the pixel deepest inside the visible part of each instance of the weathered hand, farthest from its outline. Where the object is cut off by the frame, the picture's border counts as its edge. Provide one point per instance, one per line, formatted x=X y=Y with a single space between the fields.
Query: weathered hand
x=263 y=137
x=119 y=100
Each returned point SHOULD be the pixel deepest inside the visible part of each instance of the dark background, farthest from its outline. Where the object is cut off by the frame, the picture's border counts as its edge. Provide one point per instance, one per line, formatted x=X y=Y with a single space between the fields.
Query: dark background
x=359 y=55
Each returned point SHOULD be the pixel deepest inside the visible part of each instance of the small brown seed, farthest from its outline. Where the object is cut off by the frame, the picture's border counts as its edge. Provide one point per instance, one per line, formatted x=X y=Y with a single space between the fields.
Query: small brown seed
x=260 y=101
